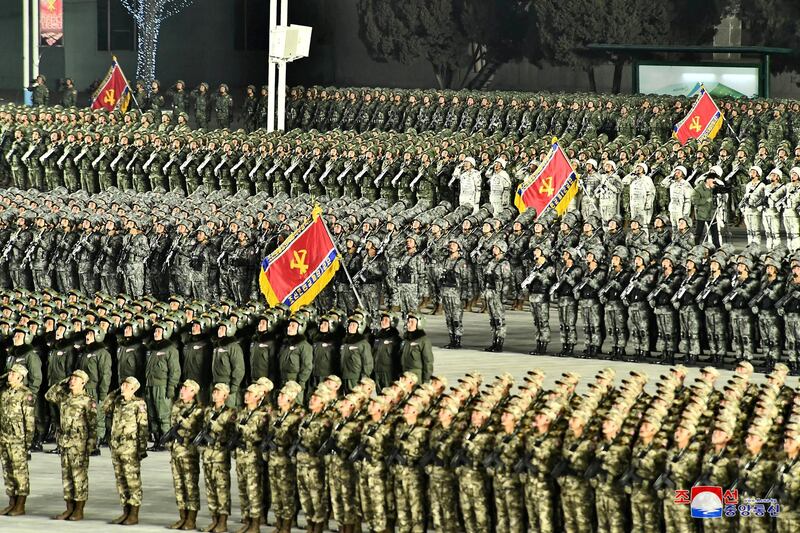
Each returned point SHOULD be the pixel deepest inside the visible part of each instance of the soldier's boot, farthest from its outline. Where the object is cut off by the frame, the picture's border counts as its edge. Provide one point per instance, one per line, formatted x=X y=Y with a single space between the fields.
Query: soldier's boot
x=66 y=514
x=222 y=524
x=319 y=527
x=191 y=521
x=691 y=358
x=452 y=342
x=310 y=527
x=255 y=525
x=12 y=502
x=457 y=339
x=126 y=509
x=19 y=507
x=181 y=520
x=36 y=445
x=426 y=301
x=50 y=436
x=78 y=514
x=156 y=440
x=793 y=368
x=96 y=451
x=570 y=351
x=670 y=357
x=213 y=524
x=491 y=348
x=498 y=345
x=439 y=310
x=133 y=516
x=246 y=521
x=54 y=451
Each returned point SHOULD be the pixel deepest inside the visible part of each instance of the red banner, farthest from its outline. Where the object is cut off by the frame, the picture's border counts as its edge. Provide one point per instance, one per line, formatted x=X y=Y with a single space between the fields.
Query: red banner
x=114 y=92
x=299 y=269
x=704 y=120
x=552 y=186
x=51 y=23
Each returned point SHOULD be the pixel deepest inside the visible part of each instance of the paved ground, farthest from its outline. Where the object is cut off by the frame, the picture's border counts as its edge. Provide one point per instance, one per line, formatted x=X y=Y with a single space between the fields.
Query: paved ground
x=159 y=507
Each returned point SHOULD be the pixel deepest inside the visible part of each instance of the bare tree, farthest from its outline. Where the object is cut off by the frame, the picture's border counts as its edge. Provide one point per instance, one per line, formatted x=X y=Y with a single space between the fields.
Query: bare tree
x=148 y=15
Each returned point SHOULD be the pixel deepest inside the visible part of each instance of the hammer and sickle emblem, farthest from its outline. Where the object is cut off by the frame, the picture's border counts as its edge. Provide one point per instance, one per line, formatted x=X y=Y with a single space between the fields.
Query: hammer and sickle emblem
x=51 y=5
x=695 y=125
x=109 y=97
x=299 y=261
x=547 y=187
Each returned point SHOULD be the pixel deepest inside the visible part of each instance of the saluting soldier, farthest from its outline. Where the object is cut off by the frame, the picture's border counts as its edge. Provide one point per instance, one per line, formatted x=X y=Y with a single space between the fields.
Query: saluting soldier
x=77 y=439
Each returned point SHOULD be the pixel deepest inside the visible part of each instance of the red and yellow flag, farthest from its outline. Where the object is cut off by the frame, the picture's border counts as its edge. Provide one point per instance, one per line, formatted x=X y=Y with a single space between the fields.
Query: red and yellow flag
x=704 y=120
x=552 y=186
x=297 y=271
x=114 y=92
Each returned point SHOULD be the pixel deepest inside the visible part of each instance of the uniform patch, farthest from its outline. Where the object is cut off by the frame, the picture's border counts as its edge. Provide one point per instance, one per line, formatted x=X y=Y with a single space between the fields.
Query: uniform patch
x=197 y=346
x=353 y=347
x=414 y=344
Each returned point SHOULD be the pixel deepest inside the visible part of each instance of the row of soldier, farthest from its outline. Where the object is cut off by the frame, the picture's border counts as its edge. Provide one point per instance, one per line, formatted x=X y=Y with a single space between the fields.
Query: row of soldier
x=411 y=258
x=110 y=339
x=628 y=177
x=473 y=458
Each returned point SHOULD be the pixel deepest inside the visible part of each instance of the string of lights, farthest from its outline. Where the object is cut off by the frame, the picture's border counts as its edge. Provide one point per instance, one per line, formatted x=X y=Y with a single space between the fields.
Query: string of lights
x=148 y=16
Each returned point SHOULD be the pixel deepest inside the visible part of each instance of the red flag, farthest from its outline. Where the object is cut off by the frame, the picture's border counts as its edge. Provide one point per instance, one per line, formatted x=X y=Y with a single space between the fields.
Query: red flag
x=552 y=186
x=302 y=265
x=703 y=120
x=114 y=92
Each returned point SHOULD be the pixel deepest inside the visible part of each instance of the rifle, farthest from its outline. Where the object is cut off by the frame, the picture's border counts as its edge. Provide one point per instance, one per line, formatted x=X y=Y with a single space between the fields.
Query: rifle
x=527 y=281
x=790 y=295
x=329 y=446
x=47 y=154
x=60 y=161
x=29 y=252
x=559 y=281
x=9 y=246
x=731 y=295
x=624 y=295
x=311 y=167
x=395 y=456
x=168 y=164
x=705 y=474
x=651 y=298
x=171 y=252
x=777 y=489
x=238 y=164
x=73 y=255
x=172 y=434
x=360 y=452
x=27 y=154
x=758 y=298
x=133 y=158
x=563 y=466
x=296 y=446
x=460 y=457
x=98 y=158
x=662 y=481
x=205 y=162
x=492 y=460
x=115 y=161
x=203 y=437
x=221 y=162
x=236 y=441
x=268 y=443
x=149 y=162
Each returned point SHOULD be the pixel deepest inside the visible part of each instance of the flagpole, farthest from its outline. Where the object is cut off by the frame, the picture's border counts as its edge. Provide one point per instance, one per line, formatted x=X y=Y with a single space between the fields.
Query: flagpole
x=734 y=133
x=342 y=266
x=133 y=97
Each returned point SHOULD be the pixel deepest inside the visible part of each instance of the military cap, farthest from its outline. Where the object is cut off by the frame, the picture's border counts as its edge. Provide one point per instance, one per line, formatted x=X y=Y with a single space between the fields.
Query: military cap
x=81 y=374
x=758 y=431
x=411 y=376
x=133 y=382
x=19 y=370
x=483 y=409
x=747 y=365
x=255 y=388
x=334 y=378
x=265 y=383
x=514 y=410
x=291 y=389
x=710 y=370
x=222 y=387
x=192 y=385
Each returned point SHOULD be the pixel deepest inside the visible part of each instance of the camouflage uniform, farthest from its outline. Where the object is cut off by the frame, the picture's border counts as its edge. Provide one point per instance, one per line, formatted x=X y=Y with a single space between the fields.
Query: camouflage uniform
x=219 y=423
x=454 y=283
x=341 y=474
x=409 y=481
x=282 y=472
x=576 y=493
x=184 y=456
x=682 y=467
x=16 y=437
x=610 y=506
x=76 y=438
x=128 y=445
x=756 y=475
x=497 y=285
x=314 y=430
x=249 y=466
x=407 y=274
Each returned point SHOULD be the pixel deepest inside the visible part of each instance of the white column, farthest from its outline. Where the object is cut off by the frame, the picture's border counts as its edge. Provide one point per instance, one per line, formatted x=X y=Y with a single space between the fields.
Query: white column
x=281 y=96
x=26 y=43
x=273 y=16
x=35 y=38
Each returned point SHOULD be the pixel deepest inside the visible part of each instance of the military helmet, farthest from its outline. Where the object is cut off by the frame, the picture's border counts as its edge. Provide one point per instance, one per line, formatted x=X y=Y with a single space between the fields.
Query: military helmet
x=99 y=334
x=166 y=329
x=361 y=321
x=230 y=328
x=501 y=245
x=301 y=323
x=136 y=328
x=394 y=318
x=27 y=336
x=419 y=317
